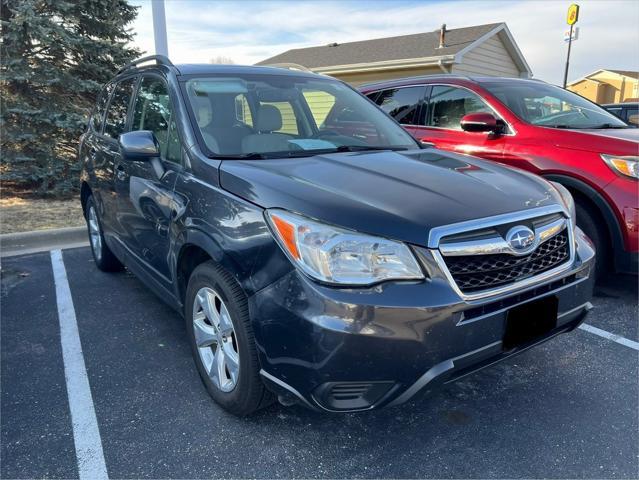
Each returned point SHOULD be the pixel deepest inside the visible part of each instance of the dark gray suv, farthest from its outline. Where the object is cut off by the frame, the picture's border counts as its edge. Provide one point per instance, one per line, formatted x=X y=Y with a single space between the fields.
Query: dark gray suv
x=317 y=252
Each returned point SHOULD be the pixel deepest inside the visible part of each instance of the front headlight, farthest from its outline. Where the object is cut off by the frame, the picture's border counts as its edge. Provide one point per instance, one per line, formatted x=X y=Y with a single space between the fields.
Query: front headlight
x=569 y=202
x=338 y=256
x=627 y=165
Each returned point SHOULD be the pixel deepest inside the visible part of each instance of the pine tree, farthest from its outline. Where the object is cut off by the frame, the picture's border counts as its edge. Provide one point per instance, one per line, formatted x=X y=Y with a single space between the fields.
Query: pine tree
x=55 y=55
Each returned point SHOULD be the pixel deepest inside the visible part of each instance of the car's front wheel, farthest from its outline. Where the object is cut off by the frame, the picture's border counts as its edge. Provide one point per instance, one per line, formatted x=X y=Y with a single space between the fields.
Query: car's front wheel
x=221 y=338
x=104 y=258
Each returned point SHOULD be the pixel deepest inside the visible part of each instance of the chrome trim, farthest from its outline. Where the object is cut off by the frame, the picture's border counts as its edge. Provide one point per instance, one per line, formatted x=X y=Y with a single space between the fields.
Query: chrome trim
x=584 y=306
x=496 y=244
x=288 y=388
x=438 y=233
x=550 y=230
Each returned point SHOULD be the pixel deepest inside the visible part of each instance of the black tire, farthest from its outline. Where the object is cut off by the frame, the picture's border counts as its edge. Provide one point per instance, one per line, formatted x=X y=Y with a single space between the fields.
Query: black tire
x=104 y=258
x=249 y=393
x=593 y=226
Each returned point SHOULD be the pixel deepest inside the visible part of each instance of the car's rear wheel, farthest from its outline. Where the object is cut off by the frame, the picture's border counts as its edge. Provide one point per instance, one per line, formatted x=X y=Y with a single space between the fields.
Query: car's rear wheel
x=592 y=225
x=104 y=258
x=222 y=342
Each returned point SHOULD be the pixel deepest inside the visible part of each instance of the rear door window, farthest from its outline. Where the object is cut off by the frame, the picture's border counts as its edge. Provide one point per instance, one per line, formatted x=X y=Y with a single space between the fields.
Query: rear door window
x=373 y=96
x=449 y=104
x=116 y=117
x=403 y=104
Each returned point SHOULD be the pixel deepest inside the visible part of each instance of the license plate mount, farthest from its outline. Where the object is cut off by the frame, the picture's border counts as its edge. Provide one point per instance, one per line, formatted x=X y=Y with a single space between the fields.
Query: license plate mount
x=530 y=321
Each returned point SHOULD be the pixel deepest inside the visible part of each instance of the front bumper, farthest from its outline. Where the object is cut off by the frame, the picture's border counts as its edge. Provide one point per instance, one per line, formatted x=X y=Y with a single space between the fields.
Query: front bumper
x=358 y=349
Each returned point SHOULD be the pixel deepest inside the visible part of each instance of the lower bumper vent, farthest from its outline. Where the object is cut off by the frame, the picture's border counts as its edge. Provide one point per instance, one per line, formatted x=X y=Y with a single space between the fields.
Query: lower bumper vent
x=350 y=395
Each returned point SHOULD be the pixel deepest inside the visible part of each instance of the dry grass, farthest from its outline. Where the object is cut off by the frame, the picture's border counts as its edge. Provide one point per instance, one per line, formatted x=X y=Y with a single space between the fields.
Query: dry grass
x=20 y=214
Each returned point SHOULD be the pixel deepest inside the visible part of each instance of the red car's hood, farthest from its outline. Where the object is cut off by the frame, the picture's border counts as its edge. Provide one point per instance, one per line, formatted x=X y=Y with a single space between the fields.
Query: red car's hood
x=614 y=141
x=631 y=134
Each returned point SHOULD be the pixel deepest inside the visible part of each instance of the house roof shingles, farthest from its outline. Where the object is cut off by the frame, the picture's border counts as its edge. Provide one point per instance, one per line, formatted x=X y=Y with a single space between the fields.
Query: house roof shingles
x=420 y=45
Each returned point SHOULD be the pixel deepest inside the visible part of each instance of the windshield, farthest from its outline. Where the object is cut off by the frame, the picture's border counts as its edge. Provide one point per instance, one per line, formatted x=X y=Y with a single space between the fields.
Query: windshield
x=550 y=106
x=285 y=115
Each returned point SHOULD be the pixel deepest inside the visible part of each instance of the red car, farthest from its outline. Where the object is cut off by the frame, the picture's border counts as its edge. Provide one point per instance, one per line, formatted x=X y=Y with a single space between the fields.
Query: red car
x=538 y=127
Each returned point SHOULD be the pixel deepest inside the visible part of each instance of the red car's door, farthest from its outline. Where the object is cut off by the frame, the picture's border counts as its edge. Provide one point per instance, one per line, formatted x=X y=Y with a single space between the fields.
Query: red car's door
x=446 y=106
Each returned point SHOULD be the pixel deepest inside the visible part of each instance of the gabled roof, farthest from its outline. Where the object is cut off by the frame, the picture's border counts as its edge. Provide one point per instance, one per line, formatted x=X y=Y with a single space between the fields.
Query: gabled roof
x=624 y=73
x=419 y=45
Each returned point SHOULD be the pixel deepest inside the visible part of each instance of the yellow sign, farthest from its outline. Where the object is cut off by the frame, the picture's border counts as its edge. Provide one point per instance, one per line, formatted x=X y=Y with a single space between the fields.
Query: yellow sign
x=573 y=14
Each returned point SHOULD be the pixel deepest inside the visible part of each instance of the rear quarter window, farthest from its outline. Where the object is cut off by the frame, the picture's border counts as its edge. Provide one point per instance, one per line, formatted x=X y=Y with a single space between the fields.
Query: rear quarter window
x=403 y=104
x=97 y=118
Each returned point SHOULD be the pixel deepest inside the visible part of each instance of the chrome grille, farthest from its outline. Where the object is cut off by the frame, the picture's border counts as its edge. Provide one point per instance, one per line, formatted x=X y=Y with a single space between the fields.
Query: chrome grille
x=478 y=272
x=480 y=259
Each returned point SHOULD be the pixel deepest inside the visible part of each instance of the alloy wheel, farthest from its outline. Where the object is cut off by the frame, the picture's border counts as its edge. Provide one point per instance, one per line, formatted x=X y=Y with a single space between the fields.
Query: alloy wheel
x=94 y=233
x=216 y=339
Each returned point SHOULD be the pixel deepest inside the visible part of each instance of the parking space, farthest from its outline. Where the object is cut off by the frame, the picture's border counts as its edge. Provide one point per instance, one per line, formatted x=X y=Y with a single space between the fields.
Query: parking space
x=568 y=408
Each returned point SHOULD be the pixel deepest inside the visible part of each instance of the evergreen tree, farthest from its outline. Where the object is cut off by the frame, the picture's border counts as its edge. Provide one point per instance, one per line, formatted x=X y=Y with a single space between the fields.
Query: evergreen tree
x=55 y=57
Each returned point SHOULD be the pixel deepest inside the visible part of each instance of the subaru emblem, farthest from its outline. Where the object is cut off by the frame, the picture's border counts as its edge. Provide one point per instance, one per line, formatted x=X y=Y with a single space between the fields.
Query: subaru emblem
x=521 y=239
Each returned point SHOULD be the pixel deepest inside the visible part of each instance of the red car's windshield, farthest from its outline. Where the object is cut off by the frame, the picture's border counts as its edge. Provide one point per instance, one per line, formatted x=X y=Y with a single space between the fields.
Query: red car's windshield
x=550 y=106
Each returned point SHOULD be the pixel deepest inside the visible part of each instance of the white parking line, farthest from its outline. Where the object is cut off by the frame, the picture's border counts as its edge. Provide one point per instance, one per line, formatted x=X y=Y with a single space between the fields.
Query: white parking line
x=86 y=435
x=610 y=336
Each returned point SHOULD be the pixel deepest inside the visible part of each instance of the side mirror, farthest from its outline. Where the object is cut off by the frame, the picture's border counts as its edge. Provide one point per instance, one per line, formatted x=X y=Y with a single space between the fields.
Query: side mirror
x=139 y=145
x=480 y=122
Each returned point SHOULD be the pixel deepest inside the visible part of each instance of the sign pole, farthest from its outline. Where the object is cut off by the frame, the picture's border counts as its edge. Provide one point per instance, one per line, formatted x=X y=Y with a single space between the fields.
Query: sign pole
x=159 y=27
x=568 y=57
x=571 y=19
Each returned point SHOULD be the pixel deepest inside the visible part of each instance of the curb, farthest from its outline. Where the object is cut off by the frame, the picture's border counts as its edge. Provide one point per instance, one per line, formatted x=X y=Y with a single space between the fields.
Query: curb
x=12 y=244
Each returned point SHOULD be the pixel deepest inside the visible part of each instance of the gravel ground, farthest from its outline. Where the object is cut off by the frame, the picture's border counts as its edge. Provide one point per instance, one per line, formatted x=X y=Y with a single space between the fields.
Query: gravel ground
x=19 y=214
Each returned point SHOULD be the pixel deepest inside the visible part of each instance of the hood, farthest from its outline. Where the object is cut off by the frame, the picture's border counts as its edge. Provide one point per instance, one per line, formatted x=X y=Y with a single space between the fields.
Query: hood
x=615 y=141
x=390 y=194
x=630 y=134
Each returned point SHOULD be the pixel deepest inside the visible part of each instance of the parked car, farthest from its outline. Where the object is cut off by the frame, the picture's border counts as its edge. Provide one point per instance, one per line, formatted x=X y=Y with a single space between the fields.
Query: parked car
x=538 y=127
x=316 y=252
x=628 y=112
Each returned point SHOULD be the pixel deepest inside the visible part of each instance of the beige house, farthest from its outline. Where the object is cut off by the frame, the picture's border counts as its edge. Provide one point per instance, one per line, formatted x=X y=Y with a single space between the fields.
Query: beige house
x=479 y=50
x=607 y=86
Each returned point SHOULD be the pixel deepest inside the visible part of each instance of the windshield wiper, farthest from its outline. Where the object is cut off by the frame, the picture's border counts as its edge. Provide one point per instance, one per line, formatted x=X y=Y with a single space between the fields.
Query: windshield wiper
x=585 y=127
x=242 y=156
x=362 y=148
x=303 y=153
x=609 y=125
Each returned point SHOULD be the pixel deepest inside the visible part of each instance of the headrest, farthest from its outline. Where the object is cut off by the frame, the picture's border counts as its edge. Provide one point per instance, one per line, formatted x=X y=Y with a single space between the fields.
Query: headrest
x=269 y=119
x=223 y=115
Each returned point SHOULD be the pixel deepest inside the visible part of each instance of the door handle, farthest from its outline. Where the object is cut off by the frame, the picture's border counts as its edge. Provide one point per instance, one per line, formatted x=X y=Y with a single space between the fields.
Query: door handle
x=426 y=143
x=120 y=173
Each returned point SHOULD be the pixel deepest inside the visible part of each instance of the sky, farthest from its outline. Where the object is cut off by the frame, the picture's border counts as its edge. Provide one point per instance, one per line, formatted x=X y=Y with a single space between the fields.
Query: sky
x=250 y=31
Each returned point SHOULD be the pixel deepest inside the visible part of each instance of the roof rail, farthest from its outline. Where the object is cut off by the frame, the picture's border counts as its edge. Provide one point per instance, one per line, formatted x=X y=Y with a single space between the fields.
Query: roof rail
x=160 y=60
x=417 y=77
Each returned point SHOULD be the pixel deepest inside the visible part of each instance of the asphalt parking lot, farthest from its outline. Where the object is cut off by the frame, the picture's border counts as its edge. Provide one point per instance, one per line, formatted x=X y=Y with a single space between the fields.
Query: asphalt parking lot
x=568 y=408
